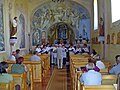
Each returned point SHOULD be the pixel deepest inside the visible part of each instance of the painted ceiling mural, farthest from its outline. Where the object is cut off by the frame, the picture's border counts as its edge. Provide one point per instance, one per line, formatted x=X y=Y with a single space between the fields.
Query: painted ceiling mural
x=2 y=44
x=50 y=13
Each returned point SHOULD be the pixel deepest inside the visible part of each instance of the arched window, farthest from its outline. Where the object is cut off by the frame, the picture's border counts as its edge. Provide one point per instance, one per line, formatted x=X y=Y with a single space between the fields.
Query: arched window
x=2 y=43
x=95 y=14
x=115 y=5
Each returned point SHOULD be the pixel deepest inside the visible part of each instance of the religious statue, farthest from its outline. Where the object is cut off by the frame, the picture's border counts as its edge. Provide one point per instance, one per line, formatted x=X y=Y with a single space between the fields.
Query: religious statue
x=14 y=27
x=101 y=27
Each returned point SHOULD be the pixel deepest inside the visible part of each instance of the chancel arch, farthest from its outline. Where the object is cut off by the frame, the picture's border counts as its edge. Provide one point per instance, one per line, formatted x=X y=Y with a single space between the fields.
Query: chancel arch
x=71 y=14
x=60 y=31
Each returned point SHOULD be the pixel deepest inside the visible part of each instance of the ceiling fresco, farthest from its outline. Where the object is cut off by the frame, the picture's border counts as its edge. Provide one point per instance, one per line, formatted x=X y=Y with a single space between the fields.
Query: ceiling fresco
x=50 y=13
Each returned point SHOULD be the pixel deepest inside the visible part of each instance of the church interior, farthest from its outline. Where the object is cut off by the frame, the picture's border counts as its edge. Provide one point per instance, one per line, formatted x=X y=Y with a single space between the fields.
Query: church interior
x=26 y=25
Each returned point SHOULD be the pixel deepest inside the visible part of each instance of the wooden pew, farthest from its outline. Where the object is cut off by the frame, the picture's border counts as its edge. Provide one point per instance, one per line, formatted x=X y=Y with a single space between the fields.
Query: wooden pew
x=109 y=79
x=104 y=71
x=34 y=65
x=99 y=87
x=20 y=79
x=7 y=86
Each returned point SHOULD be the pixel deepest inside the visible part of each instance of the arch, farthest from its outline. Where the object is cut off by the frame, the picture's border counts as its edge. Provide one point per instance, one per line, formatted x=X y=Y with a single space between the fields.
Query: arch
x=22 y=31
x=2 y=43
x=113 y=38
x=118 y=38
x=108 y=39
x=49 y=13
x=60 y=31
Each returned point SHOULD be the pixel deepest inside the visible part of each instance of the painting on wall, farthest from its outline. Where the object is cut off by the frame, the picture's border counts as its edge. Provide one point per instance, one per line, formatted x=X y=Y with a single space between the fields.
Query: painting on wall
x=84 y=30
x=22 y=31
x=2 y=43
x=51 y=13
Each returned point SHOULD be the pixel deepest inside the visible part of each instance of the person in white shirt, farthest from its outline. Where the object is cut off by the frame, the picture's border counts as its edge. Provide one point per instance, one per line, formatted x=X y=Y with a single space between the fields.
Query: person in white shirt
x=54 y=55
x=85 y=49
x=59 y=56
x=38 y=49
x=91 y=77
x=78 y=50
x=35 y=57
x=44 y=50
x=64 y=54
x=71 y=50
x=12 y=57
x=99 y=63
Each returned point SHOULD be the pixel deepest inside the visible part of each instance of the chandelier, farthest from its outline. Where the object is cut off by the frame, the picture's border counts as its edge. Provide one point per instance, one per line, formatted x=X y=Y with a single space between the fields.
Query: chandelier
x=58 y=1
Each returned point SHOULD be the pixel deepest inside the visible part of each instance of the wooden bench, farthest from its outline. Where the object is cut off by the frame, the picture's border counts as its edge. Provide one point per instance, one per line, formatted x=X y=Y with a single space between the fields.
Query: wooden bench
x=7 y=86
x=34 y=65
x=99 y=87
x=109 y=79
x=104 y=71
x=20 y=79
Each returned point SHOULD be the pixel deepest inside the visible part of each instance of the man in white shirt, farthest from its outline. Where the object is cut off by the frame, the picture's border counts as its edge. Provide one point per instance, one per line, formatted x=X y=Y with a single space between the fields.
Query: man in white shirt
x=91 y=77
x=59 y=56
x=12 y=57
x=35 y=57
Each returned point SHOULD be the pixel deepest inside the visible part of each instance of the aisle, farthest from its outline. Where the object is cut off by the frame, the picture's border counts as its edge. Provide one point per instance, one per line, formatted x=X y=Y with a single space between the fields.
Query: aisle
x=58 y=80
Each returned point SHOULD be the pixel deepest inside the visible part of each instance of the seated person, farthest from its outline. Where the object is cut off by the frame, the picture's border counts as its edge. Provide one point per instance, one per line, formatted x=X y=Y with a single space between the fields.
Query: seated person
x=19 y=68
x=4 y=76
x=116 y=69
x=99 y=63
x=78 y=50
x=91 y=62
x=85 y=49
x=44 y=50
x=35 y=57
x=38 y=48
x=93 y=54
x=91 y=77
x=12 y=57
x=17 y=54
x=71 y=50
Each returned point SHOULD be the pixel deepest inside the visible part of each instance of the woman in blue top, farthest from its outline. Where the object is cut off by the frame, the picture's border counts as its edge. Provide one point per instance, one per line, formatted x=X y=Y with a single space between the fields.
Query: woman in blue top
x=4 y=76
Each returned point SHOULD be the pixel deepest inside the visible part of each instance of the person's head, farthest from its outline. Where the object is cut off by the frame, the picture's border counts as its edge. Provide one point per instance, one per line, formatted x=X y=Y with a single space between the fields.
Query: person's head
x=91 y=60
x=117 y=59
x=85 y=45
x=38 y=46
x=15 y=18
x=35 y=53
x=17 y=51
x=19 y=60
x=14 y=53
x=90 y=66
x=3 y=67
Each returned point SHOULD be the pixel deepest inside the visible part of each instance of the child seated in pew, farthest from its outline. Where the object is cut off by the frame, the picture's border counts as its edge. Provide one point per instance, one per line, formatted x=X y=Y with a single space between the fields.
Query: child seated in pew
x=4 y=76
